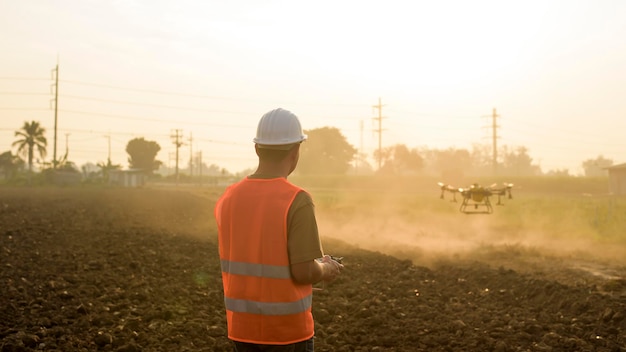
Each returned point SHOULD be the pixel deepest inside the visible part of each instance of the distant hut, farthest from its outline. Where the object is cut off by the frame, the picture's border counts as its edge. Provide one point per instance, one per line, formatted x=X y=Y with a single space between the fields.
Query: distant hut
x=67 y=177
x=127 y=178
x=617 y=179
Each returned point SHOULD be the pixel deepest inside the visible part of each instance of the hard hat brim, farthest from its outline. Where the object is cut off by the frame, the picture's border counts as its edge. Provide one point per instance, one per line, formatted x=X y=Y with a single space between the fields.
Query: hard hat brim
x=277 y=146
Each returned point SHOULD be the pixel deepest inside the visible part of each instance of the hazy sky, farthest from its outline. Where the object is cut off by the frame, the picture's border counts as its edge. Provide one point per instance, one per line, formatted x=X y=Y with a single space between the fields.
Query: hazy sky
x=554 y=70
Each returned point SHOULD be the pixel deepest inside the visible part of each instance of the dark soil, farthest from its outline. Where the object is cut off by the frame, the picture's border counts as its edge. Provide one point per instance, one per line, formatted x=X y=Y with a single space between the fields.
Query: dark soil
x=138 y=270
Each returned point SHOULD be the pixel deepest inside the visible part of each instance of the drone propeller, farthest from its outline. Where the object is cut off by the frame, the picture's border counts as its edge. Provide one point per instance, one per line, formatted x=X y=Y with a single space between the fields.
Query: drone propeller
x=508 y=189
x=445 y=187
x=505 y=190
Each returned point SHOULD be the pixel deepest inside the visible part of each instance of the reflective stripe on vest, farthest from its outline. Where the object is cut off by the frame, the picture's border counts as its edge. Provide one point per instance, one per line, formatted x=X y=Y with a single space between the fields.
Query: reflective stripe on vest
x=260 y=270
x=264 y=308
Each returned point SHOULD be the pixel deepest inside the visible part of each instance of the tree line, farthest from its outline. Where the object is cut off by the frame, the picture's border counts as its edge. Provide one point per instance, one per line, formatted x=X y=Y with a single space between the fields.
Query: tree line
x=326 y=151
x=31 y=146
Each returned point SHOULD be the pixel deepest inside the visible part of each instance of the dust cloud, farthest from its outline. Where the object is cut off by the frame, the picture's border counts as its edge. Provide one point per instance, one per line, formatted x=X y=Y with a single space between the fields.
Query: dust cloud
x=426 y=236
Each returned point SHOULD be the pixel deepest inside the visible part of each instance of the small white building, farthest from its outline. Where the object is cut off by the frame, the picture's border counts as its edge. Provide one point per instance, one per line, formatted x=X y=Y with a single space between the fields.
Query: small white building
x=66 y=177
x=127 y=178
x=617 y=179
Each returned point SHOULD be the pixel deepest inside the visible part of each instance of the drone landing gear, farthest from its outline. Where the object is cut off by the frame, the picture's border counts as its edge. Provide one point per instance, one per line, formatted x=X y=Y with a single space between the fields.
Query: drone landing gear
x=499 y=202
x=470 y=207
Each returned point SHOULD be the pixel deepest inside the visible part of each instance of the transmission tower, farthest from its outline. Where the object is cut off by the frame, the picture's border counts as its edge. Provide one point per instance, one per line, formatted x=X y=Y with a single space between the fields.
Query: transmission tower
x=380 y=131
x=191 y=154
x=199 y=166
x=177 y=140
x=494 y=137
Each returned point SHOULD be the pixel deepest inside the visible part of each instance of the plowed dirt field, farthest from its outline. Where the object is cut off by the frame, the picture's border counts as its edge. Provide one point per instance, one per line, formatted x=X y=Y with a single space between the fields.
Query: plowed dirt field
x=138 y=270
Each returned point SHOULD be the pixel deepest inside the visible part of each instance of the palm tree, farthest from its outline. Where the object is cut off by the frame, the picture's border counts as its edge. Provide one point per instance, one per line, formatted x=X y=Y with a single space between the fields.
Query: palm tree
x=31 y=138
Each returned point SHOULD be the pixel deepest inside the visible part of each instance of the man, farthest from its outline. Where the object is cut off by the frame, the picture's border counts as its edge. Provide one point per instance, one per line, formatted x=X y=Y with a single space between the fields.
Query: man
x=270 y=248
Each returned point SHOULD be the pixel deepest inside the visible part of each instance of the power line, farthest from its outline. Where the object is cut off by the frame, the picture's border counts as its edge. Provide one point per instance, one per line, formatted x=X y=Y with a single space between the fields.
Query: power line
x=22 y=93
x=534 y=131
x=99 y=132
x=127 y=117
x=132 y=134
x=24 y=109
x=421 y=126
x=151 y=105
x=429 y=114
x=24 y=79
x=191 y=95
x=550 y=138
x=171 y=93
x=146 y=90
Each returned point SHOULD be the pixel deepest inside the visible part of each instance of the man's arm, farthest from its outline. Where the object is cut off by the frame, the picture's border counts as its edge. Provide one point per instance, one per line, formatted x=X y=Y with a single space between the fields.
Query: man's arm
x=304 y=245
x=311 y=272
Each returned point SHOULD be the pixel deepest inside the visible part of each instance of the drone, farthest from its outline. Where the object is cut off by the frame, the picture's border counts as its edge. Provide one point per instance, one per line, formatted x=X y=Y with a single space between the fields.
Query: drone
x=476 y=197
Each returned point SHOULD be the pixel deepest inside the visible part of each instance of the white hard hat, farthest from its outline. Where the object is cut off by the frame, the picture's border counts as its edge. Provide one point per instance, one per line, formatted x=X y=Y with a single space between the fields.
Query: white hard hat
x=277 y=128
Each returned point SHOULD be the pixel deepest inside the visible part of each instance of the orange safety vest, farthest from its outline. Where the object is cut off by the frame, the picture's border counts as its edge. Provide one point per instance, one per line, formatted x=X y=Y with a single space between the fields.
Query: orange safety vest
x=264 y=305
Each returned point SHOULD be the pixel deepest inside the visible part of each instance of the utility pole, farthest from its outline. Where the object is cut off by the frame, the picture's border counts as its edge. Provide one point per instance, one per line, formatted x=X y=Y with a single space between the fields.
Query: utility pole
x=494 y=136
x=199 y=163
x=380 y=131
x=56 y=113
x=190 y=155
x=176 y=139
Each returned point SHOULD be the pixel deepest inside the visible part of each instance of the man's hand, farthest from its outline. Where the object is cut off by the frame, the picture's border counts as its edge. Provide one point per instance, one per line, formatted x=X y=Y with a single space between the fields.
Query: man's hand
x=324 y=269
x=331 y=268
